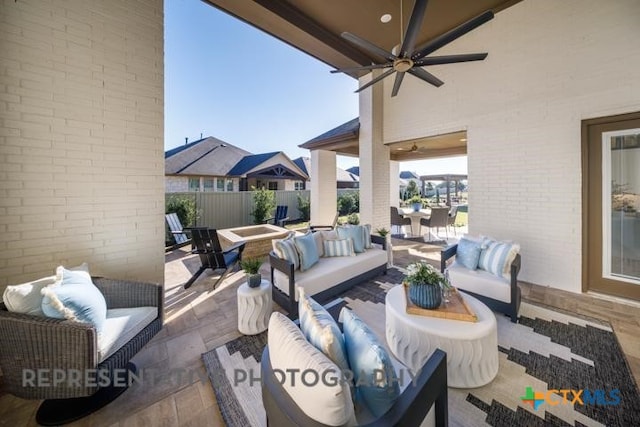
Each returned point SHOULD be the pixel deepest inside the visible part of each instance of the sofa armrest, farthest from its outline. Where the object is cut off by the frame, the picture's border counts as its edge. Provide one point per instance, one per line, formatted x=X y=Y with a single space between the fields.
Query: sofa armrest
x=34 y=342
x=127 y=293
x=287 y=268
x=427 y=389
x=446 y=254
x=379 y=240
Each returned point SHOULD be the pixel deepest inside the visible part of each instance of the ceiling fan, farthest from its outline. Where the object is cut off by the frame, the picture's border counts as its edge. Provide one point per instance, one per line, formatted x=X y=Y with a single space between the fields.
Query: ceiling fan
x=411 y=60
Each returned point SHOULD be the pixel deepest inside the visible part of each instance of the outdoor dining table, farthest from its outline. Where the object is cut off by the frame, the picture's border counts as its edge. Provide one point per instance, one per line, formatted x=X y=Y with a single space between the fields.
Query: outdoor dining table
x=415 y=217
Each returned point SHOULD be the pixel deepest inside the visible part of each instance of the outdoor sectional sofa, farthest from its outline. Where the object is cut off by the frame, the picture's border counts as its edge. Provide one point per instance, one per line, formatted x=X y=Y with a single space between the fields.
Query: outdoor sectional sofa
x=329 y=277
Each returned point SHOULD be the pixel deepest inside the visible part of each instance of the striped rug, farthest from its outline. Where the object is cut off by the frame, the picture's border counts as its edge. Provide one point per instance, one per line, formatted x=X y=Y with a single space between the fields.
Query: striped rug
x=546 y=350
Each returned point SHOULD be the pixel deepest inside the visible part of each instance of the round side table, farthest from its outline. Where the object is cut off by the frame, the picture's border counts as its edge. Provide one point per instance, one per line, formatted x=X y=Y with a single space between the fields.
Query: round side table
x=254 y=308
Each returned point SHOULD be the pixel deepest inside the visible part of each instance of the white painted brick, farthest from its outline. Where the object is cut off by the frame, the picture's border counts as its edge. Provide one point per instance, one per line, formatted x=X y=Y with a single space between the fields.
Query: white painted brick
x=66 y=76
x=550 y=65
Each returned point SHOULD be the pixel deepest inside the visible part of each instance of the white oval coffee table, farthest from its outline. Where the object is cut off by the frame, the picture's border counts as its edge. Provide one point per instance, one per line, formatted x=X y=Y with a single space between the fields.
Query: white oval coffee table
x=254 y=308
x=472 y=348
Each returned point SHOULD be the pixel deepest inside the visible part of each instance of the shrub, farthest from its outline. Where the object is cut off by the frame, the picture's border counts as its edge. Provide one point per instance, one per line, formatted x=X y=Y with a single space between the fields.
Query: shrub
x=348 y=203
x=354 y=219
x=184 y=207
x=412 y=189
x=304 y=207
x=264 y=202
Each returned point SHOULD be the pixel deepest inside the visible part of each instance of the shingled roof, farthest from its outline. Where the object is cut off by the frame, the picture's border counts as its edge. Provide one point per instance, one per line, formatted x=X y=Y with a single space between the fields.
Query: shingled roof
x=208 y=156
x=250 y=162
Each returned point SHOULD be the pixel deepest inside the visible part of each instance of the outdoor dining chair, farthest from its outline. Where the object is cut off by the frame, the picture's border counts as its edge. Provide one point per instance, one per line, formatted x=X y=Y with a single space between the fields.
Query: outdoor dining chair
x=439 y=218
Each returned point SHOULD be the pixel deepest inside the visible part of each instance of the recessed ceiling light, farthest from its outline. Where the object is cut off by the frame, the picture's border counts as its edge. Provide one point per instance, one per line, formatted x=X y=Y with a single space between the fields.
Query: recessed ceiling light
x=385 y=18
x=463 y=139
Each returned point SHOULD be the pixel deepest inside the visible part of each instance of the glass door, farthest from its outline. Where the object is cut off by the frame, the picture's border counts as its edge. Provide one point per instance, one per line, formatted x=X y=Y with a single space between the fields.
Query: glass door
x=621 y=217
x=611 y=147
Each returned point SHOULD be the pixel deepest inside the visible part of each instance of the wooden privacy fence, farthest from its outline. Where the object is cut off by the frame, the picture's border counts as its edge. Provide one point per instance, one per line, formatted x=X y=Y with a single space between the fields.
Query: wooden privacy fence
x=233 y=209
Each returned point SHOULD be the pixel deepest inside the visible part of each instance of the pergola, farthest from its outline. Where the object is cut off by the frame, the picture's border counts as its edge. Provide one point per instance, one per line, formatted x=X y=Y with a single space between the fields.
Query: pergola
x=448 y=178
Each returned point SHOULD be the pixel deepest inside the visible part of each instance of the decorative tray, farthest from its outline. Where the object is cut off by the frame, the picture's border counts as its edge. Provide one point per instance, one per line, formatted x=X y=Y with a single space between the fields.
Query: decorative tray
x=455 y=309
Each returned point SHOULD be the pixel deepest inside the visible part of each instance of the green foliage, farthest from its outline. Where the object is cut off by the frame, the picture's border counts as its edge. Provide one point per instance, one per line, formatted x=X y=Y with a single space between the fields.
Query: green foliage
x=415 y=199
x=264 y=203
x=184 y=207
x=423 y=273
x=251 y=265
x=304 y=207
x=382 y=231
x=412 y=189
x=348 y=203
x=354 y=219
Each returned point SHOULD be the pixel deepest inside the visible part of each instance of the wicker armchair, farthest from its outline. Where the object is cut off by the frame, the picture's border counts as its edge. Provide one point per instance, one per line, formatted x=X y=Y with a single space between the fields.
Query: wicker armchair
x=30 y=343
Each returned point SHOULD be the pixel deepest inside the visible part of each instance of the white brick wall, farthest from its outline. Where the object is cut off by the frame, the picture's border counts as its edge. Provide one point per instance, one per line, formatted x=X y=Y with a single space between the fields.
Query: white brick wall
x=551 y=64
x=81 y=138
x=374 y=158
x=324 y=194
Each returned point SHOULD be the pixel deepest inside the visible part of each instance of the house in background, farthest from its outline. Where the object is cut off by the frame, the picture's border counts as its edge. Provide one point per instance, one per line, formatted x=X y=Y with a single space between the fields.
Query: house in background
x=210 y=164
x=344 y=178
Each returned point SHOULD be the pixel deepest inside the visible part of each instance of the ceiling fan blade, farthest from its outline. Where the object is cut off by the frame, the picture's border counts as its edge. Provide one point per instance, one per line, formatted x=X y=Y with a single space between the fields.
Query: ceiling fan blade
x=368 y=46
x=426 y=76
x=450 y=59
x=376 y=80
x=363 y=68
x=397 y=83
x=452 y=35
x=413 y=29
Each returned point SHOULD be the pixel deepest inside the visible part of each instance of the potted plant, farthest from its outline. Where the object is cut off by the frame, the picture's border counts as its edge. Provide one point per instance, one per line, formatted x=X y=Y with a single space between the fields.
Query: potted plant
x=251 y=266
x=382 y=232
x=425 y=284
x=416 y=202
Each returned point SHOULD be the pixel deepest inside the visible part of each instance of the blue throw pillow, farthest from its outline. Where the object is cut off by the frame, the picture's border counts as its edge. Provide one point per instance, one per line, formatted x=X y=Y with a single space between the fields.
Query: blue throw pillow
x=468 y=253
x=356 y=233
x=307 y=250
x=376 y=383
x=367 y=236
x=75 y=297
x=321 y=330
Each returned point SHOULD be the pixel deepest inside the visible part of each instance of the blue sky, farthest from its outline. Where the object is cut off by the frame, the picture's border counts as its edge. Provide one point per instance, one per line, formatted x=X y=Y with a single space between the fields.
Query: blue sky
x=226 y=79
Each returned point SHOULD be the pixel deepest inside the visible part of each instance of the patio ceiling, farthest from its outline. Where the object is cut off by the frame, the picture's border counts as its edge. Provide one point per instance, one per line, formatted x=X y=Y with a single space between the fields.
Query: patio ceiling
x=315 y=26
x=344 y=140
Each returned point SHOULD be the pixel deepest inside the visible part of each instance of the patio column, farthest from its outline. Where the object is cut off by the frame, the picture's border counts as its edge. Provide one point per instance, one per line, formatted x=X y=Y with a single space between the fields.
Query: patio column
x=324 y=195
x=394 y=183
x=374 y=157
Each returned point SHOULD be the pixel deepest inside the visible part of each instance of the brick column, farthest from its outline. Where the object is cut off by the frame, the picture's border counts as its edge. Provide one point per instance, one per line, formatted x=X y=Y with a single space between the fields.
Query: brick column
x=394 y=183
x=374 y=158
x=324 y=195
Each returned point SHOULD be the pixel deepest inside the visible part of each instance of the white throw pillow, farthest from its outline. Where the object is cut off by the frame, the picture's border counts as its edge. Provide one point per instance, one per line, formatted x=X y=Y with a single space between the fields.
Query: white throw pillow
x=327 y=402
x=26 y=297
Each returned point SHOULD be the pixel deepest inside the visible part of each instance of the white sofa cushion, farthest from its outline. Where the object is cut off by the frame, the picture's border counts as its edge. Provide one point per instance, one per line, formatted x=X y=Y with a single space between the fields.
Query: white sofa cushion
x=329 y=272
x=327 y=402
x=121 y=325
x=480 y=282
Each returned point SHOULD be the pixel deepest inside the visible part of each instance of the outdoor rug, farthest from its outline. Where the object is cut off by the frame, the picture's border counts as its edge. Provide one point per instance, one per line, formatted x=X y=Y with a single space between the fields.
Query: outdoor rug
x=546 y=350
